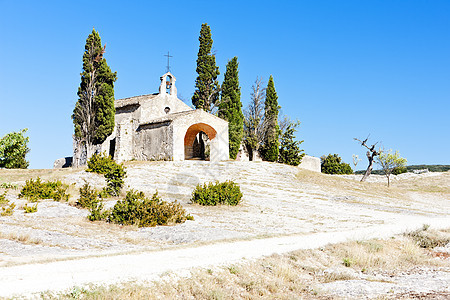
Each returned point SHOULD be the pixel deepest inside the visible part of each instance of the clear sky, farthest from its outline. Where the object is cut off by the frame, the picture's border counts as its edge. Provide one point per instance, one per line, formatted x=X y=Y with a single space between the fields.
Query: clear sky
x=345 y=69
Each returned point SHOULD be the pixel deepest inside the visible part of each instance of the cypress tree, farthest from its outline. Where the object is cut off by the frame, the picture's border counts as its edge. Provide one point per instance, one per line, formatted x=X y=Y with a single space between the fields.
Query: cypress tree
x=230 y=106
x=290 y=152
x=270 y=148
x=206 y=85
x=93 y=116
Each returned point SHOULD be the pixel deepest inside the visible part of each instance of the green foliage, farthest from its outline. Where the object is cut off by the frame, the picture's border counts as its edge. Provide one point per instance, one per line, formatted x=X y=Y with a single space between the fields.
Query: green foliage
x=399 y=170
x=30 y=209
x=206 y=85
x=35 y=190
x=97 y=212
x=89 y=197
x=3 y=199
x=7 y=185
x=114 y=173
x=230 y=106
x=332 y=164
x=227 y=192
x=92 y=199
x=431 y=168
x=94 y=112
x=390 y=161
x=270 y=149
x=13 y=149
x=8 y=210
x=136 y=209
x=347 y=262
x=290 y=152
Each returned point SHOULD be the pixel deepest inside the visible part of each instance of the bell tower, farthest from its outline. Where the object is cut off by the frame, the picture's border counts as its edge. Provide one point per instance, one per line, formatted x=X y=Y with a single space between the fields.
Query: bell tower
x=168 y=84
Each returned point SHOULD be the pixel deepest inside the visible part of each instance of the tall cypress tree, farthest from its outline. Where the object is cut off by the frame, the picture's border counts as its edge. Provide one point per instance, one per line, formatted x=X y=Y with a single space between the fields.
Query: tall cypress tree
x=93 y=116
x=230 y=106
x=290 y=152
x=206 y=85
x=272 y=130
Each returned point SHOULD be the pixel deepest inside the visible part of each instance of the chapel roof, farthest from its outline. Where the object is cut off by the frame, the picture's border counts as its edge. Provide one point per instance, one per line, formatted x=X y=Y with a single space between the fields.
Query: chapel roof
x=133 y=100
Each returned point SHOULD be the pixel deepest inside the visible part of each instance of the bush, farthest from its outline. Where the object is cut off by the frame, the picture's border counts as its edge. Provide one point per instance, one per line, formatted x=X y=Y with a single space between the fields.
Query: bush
x=97 y=213
x=3 y=199
x=227 y=192
x=35 y=190
x=428 y=238
x=7 y=185
x=13 y=149
x=8 y=210
x=399 y=170
x=332 y=164
x=88 y=197
x=93 y=200
x=138 y=210
x=114 y=173
x=30 y=209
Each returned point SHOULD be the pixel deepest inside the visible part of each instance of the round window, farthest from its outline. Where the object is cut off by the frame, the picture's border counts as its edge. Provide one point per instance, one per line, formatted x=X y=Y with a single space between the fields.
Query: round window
x=167 y=109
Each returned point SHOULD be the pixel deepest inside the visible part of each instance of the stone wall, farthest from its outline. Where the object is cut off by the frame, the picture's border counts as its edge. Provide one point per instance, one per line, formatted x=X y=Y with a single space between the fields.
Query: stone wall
x=310 y=163
x=153 y=142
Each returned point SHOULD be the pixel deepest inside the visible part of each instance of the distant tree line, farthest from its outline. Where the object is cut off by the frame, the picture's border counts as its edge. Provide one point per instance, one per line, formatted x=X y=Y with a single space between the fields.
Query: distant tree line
x=431 y=168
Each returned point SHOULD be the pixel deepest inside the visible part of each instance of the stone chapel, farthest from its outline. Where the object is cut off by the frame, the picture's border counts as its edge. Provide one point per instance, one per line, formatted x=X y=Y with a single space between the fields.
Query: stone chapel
x=162 y=127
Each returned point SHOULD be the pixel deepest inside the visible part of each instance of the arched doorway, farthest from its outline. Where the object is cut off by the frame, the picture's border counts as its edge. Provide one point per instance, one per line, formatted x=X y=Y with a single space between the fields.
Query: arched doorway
x=196 y=141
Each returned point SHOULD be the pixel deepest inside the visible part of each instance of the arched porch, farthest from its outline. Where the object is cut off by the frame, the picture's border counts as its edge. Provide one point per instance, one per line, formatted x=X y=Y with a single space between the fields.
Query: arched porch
x=195 y=145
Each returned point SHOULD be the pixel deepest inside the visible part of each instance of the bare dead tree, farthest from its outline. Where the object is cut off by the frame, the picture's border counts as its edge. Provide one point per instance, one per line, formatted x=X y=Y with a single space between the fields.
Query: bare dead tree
x=283 y=122
x=254 y=122
x=371 y=154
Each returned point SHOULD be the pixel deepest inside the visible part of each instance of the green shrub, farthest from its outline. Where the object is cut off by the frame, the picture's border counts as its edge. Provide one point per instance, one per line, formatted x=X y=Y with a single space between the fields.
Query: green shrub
x=30 y=209
x=13 y=149
x=97 y=212
x=138 y=210
x=114 y=173
x=93 y=200
x=3 y=199
x=347 y=262
x=8 y=210
x=88 y=196
x=399 y=170
x=332 y=164
x=35 y=190
x=227 y=192
x=6 y=207
x=7 y=185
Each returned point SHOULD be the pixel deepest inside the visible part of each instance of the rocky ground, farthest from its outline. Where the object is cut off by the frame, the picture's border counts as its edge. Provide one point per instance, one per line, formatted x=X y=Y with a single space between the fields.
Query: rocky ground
x=278 y=200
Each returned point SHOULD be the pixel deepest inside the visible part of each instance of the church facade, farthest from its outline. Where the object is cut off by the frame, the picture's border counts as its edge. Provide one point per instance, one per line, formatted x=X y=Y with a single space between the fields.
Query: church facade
x=162 y=127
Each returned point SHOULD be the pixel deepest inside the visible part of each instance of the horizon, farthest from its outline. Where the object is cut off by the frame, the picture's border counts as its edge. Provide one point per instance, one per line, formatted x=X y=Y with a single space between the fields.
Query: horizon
x=343 y=69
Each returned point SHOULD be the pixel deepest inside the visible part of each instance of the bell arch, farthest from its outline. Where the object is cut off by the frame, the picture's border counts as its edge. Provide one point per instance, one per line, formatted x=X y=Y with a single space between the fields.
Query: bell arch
x=194 y=135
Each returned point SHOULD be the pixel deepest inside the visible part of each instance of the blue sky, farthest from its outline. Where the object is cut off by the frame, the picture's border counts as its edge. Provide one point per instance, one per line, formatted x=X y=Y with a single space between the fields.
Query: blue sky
x=345 y=69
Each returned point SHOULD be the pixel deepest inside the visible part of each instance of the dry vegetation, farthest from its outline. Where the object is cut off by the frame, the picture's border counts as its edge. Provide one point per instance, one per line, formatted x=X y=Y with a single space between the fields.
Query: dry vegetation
x=290 y=276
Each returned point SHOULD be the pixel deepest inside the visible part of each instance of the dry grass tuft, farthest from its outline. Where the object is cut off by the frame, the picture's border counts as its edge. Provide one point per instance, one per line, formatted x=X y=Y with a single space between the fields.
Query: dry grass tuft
x=21 y=238
x=429 y=239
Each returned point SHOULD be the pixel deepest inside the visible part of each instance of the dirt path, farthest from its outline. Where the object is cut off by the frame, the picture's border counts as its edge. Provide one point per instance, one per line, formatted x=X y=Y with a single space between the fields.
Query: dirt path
x=31 y=279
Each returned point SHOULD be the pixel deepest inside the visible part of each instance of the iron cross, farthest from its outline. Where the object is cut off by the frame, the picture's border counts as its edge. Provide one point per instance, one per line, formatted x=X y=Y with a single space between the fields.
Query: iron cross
x=168 y=61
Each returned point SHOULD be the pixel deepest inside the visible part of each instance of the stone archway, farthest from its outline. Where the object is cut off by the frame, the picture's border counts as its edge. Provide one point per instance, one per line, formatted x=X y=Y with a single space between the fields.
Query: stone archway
x=193 y=135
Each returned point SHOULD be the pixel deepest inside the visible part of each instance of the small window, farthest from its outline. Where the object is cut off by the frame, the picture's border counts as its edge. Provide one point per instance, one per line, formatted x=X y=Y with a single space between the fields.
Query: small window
x=168 y=84
x=167 y=109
